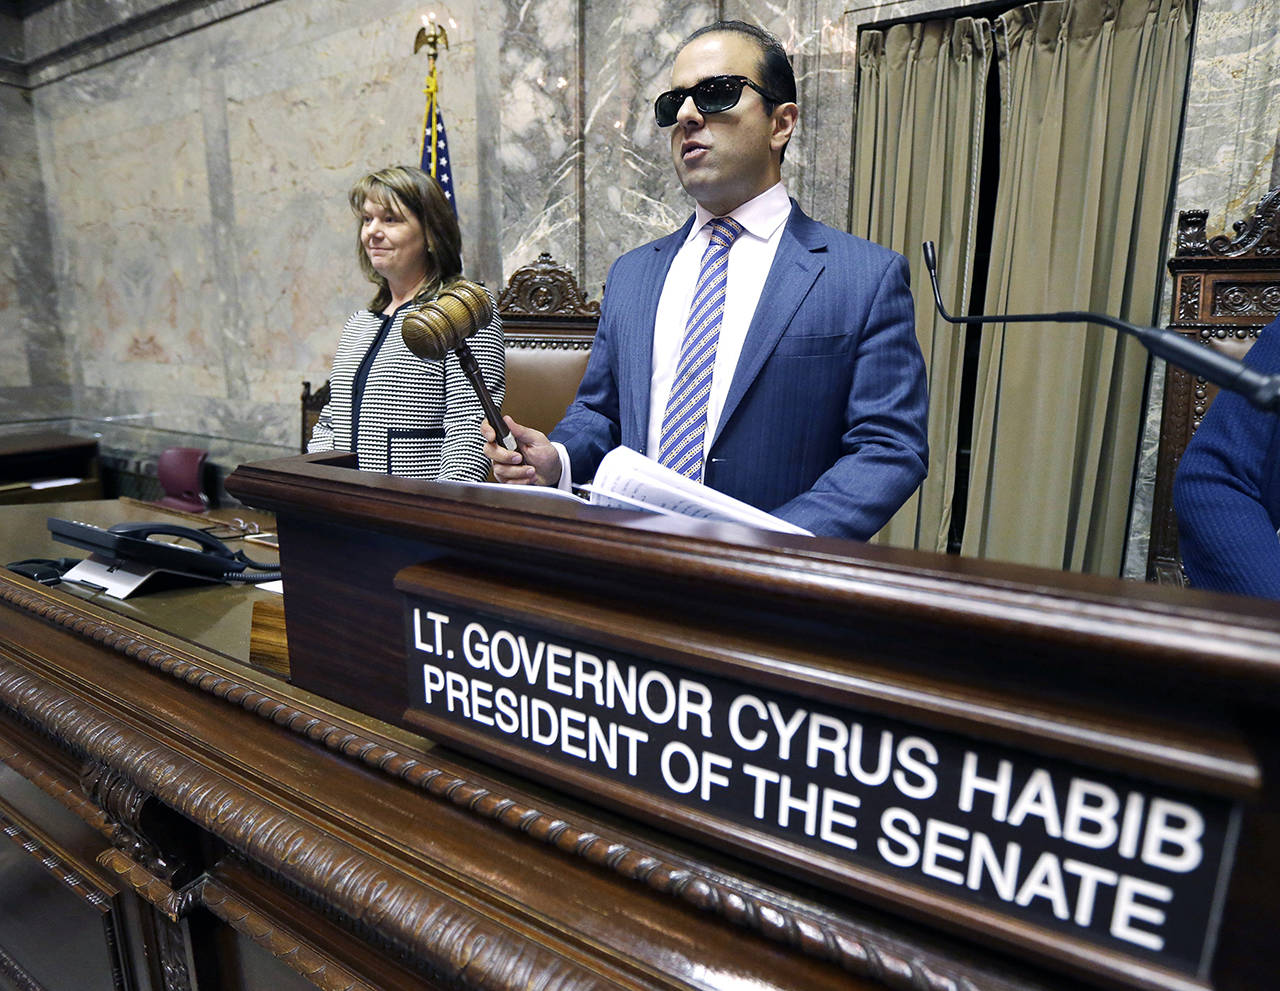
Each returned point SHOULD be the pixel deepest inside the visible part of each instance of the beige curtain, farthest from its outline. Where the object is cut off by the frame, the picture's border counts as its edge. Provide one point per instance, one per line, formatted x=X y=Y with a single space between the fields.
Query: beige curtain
x=1092 y=92
x=917 y=151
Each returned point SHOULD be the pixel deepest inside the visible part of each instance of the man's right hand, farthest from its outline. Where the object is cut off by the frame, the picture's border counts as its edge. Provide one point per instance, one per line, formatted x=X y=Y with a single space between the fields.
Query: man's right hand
x=535 y=462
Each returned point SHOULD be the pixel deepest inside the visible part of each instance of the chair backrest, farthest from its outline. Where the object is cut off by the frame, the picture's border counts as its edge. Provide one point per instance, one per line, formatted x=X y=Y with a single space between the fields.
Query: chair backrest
x=549 y=327
x=181 y=471
x=1225 y=289
x=312 y=404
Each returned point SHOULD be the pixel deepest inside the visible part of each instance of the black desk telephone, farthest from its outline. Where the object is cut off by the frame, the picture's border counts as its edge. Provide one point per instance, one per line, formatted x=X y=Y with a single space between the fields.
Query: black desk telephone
x=130 y=541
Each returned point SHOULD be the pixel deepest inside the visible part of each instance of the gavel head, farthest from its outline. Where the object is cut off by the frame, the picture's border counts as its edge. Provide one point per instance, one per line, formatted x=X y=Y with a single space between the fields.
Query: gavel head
x=447 y=321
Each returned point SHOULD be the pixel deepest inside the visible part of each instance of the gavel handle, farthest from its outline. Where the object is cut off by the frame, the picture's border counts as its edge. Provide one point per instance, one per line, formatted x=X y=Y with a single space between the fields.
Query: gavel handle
x=471 y=369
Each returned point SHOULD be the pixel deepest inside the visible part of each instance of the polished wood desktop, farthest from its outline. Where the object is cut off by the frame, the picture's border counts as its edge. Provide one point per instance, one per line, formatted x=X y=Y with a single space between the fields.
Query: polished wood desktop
x=192 y=820
x=214 y=615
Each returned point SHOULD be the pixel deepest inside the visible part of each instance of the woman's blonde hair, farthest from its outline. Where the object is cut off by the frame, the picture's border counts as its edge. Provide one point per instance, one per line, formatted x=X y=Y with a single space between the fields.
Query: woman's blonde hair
x=409 y=189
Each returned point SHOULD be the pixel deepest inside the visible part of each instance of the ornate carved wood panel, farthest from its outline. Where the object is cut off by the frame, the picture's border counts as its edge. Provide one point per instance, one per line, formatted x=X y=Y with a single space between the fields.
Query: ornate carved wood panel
x=544 y=289
x=94 y=955
x=1226 y=289
x=549 y=327
x=762 y=609
x=355 y=852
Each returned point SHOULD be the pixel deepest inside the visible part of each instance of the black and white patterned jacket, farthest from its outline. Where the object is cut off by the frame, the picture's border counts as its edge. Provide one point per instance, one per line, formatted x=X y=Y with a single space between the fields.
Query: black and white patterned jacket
x=416 y=418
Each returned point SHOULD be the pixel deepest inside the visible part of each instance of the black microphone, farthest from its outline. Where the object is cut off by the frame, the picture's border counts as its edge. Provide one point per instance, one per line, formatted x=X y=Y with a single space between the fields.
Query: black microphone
x=444 y=325
x=1263 y=391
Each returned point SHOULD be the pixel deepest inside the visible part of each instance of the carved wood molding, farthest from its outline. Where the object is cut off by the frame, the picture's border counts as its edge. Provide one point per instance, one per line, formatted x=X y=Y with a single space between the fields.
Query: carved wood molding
x=458 y=942
x=148 y=887
x=1245 y=299
x=171 y=938
x=1189 y=298
x=15 y=972
x=285 y=946
x=53 y=861
x=63 y=792
x=1192 y=236
x=858 y=951
x=124 y=802
x=72 y=876
x=545 y=288
x=1257 y=234
x=527 y=340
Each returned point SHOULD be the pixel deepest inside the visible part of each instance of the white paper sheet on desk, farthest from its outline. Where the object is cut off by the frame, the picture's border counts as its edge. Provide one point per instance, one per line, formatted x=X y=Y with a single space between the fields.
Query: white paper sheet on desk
x=626 y=479
x=631 y=476
x=612 y=499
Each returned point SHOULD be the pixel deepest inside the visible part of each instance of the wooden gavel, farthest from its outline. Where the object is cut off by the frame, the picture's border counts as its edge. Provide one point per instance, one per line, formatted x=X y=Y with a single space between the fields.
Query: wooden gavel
x=444 y=325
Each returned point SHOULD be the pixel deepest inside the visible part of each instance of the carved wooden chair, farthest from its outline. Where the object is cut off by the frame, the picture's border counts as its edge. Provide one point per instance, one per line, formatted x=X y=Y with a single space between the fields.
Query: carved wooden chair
x=1225 y=290
x=549 y=327
x=312 y=405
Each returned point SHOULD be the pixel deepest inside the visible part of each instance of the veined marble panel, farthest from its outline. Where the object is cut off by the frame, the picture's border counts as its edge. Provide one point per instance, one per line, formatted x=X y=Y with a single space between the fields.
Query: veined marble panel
x=14 y=372
x=632 y=195
x=55 y=25
x=136 y=262
x=540 y=153
x=231 y=431
x=200 y=186
x=21 y=210
x=34 y=380
x=12 y=48
x=124 y=163
x=821 y=41
x=1233 y=110
x=67 y=37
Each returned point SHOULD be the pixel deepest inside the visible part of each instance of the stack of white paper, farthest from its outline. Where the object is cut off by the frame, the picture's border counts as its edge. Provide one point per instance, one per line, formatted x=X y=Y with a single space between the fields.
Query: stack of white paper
x=627 y=479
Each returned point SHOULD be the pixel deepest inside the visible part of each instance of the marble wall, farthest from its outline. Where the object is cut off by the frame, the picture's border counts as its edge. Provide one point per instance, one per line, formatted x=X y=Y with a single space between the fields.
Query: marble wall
x=34 y=375
x=193 y=162
x=176 y=252
x=203 y=246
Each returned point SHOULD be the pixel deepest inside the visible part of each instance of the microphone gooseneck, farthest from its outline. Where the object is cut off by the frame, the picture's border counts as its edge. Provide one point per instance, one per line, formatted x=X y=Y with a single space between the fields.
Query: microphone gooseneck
x=444 y=325
x=1263 y=391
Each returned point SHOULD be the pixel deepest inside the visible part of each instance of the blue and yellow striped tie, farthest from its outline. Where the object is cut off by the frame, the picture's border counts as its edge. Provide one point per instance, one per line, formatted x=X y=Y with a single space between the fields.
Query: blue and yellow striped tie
x=684 y=423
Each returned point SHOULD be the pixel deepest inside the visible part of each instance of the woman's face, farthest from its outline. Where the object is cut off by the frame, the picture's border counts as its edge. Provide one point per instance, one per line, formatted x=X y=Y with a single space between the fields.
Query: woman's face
x=392 y=238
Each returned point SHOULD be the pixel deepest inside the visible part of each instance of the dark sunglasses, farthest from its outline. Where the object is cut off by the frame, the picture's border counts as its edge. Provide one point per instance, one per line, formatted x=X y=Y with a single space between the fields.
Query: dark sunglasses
x=713 y=95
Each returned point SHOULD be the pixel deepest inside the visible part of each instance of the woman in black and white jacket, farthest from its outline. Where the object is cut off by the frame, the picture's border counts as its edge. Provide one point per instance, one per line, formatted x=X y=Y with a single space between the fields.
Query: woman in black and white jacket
x=400 y=414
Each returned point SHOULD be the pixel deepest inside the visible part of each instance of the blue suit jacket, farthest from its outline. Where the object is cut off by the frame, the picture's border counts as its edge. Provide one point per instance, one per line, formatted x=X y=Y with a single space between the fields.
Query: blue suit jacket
x=825 y=422
x=1226 y=491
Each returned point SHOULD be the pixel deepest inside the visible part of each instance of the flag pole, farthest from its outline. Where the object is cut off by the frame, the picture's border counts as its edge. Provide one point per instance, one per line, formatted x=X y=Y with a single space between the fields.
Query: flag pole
x=430 y=36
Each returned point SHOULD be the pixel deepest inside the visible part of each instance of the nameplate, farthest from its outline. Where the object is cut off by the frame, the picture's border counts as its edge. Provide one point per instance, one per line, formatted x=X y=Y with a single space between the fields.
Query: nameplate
x=863 y=803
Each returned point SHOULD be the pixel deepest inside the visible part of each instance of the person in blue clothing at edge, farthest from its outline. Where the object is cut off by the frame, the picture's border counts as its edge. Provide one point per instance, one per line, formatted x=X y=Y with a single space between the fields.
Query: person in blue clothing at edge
x=1226 y=492
x=755 y=350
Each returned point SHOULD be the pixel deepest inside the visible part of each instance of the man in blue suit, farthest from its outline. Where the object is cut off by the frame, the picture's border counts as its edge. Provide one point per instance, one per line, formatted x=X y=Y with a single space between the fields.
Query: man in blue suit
x=812 y=403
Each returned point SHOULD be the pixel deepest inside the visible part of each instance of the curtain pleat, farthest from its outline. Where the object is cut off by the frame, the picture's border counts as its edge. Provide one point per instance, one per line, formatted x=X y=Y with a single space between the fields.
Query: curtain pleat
x=917 y=154
x=1092 y=94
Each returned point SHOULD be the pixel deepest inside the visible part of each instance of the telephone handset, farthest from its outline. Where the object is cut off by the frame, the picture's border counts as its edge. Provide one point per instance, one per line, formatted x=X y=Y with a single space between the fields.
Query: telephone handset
x=131 y=541
x=144 y=531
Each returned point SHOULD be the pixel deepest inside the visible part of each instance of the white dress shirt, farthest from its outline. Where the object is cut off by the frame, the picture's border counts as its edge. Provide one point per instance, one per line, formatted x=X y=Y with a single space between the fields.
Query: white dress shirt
x=763 y=220
x=750 y=258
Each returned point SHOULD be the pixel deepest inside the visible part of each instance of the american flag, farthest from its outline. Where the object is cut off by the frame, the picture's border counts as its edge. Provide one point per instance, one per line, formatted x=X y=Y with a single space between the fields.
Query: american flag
x=435 y=149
